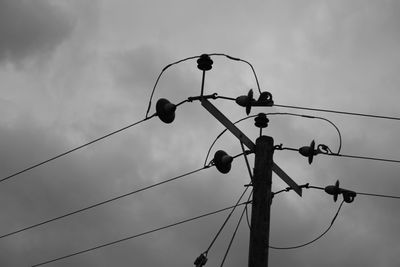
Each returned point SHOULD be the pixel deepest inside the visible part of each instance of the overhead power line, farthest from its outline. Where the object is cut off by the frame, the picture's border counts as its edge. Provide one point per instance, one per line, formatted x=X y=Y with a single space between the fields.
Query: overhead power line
x=274 y=114
x=73 y=150
x=234 y=232
x=363 y=157
x=315 y=239
x=194 y=57
x=329 y=153
x=340 y=112
x=307 y=186
x=102 y=203
x=137 y=235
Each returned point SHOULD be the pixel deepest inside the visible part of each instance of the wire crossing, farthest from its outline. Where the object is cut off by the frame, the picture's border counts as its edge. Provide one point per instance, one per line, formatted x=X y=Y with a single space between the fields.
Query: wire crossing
x=101 y=203
x=138 y=235
x=73 y=150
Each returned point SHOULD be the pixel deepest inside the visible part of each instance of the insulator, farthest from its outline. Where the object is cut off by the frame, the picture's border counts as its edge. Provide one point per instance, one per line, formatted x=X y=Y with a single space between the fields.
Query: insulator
x=334 y=190
x=165 y=110
x=222 y=161
x=246 y=101
x=200 y=260
x=204 y=62
x=261 y=121
x=309 y=151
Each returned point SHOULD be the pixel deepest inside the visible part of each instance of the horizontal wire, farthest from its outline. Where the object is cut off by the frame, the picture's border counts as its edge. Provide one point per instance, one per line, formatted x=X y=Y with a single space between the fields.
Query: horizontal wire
x=73 y=149
x=138 y=235
x=340 y=112
x=101 y=203
x=363 y=157
x=378 y=195
x=346 y=156
x=307 y=186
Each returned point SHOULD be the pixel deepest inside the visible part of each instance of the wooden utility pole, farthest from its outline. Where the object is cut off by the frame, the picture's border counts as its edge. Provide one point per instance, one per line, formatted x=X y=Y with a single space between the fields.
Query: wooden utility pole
x=260 y=215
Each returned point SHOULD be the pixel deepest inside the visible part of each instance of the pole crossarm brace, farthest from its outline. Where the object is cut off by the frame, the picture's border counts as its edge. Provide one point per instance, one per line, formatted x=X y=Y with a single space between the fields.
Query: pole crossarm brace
x=247 y=142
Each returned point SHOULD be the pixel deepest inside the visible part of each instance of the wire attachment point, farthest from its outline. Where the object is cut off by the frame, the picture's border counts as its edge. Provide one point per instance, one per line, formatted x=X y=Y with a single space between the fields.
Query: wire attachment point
x=310 y=151
x=335 y=190
x=248 y=101
x=204 y=63
x=201 y=260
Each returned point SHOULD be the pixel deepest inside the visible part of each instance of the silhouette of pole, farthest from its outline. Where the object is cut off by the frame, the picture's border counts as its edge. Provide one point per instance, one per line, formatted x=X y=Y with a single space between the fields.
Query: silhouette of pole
x=260 y=214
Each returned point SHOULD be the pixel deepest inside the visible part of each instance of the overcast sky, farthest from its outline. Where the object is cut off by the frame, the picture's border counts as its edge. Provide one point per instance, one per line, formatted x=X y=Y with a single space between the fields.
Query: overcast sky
x=72 y=71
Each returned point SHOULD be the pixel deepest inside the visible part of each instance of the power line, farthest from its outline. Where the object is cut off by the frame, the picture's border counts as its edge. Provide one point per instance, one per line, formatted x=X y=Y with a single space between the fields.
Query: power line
x=378 y=195
x=329 y=153
x=315 y=239
x=73 y=149
x=340 y=112
x=307 y=186
x=102 y=203
x=137 y=235
x=224 y=223
x=234 y=232
x=277 y=113
x=363 y=157
x=194 y=57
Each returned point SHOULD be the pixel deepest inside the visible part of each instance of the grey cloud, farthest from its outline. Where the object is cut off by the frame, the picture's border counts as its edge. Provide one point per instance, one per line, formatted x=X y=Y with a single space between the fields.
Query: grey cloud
x=29 y=28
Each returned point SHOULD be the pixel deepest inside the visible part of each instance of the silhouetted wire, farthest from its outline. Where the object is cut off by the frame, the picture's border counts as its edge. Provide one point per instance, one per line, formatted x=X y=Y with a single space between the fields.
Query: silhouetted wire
x=194 y=57
x=247 y=161
x=315 y=239
x=224 y=223
x=307 y=186
x=378 y=195
x=347 y=156
x=277 y=113
x=74 y=149
x=102 y=202
x=138 y=235
x=234 y=233
x=362 y=157
x=247 y=216
x=340 y=112
x=159 y=76
x=242 y=60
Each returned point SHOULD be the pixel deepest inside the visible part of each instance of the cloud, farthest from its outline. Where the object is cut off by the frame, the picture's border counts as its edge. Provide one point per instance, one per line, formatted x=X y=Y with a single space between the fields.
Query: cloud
x=31 y=28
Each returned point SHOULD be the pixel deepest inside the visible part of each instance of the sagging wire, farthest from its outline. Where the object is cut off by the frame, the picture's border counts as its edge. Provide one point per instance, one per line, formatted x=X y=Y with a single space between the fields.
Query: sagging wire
x=195 y=57
x=315 y=239
x=278 y=113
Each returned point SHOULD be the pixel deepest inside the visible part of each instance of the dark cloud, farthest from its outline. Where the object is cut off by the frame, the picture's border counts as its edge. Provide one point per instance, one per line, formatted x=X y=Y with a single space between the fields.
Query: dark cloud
x=30 y=28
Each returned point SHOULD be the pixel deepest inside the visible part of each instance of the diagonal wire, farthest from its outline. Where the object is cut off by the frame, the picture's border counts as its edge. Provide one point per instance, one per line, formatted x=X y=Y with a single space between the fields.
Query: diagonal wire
x=137 y=235
x=73 y=149
x=247 y=161
x=101 y=203
x=224 y=223
x=234 y=233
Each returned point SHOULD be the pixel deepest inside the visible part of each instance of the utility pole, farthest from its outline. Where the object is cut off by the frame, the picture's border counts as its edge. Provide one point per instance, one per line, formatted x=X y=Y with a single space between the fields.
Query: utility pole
x=263 y=166
x=262 y=196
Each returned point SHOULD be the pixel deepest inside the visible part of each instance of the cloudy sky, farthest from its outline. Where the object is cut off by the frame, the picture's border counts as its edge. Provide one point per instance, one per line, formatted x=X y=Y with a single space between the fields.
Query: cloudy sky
x=72 y=71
